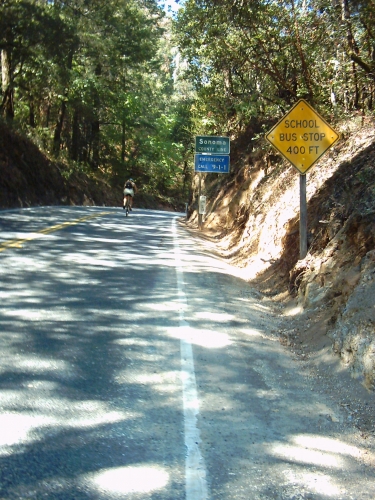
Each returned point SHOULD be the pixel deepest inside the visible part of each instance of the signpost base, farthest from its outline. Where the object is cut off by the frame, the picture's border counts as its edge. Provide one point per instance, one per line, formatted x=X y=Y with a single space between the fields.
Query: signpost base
x=200 y=216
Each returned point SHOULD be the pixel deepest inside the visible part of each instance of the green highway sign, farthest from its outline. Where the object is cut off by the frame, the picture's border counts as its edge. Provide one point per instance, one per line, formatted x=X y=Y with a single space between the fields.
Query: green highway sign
x=212 y=144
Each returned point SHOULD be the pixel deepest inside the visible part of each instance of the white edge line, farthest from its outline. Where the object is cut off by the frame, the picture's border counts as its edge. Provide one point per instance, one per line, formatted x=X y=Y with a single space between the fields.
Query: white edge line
x=195 y=469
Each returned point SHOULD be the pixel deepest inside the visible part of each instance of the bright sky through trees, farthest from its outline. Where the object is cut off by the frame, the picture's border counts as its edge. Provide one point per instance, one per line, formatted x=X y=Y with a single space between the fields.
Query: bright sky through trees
x=171 y=6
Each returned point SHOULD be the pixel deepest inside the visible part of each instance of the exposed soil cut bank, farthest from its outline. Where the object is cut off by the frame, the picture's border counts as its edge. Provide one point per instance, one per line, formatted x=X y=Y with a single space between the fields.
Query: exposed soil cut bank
x=328 y=298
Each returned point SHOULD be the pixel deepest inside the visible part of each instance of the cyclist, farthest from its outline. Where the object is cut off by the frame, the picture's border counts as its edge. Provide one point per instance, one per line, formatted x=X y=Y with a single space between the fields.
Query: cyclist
x=129 y=190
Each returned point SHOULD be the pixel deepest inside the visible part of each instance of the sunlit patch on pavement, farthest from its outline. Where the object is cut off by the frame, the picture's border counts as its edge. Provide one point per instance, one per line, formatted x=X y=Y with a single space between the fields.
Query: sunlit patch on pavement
x=132 y=479
x=164 y=382
x=326 y=444
x=204 y=338
x=15 y=429
x=218 y=317
x=158 y=306
x=294 y=311
x=314 y=481
x=251 y=332
x=303 y=455
x=53 y=415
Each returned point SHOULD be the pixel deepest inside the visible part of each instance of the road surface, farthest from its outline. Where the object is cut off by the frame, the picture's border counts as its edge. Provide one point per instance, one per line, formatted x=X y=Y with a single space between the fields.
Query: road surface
x=135 y=364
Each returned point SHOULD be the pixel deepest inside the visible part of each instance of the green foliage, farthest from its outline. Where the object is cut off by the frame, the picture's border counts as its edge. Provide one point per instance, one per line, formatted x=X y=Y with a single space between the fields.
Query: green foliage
x=117 y=87
x=255 y=59
x=92 y=82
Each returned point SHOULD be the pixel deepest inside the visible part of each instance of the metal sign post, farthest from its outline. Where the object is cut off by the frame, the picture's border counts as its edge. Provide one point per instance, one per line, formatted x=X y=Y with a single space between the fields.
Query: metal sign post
x=199 y=197
x=302 y=136
x=302 y=217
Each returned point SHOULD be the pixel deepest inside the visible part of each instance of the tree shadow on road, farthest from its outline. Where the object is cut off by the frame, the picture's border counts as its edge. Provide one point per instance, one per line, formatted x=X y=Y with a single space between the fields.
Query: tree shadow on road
x=90 y=382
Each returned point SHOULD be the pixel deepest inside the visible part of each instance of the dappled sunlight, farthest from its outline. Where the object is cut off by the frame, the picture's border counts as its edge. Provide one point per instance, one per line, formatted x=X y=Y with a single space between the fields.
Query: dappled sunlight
x=256 y=306
x=25 y=262
x=162 y=306
x=294 y=311
x=92 y=369
x=39 y=314
x=326 y=444
x=83 y=260
x=125 y=480
x=49 y=416
x=315 y=450
x=254 y=265
x=28 y=363
x=162 y=259
x=251 y=332
x=270 y=395
x=317 y=482
x=214 y=316
x=196 y=262
x=17 y=292
x=144 y=357
x=158 y=251
x=163 y=382
x=204 y=338
x=16 y=428
x=306 y=456
x=66 y=413
x=132 y=341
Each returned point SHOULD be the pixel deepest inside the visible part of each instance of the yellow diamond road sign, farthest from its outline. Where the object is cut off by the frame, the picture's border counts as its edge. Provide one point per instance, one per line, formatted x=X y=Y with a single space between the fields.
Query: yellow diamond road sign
x=302 y=136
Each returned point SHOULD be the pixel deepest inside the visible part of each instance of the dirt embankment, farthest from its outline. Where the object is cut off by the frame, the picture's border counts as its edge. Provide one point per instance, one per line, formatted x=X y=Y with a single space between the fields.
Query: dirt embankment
x=29 y=178
x=328 y=297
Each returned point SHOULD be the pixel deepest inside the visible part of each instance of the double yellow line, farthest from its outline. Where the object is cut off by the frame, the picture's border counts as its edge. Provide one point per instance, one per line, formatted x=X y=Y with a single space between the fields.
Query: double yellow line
x=21 y=241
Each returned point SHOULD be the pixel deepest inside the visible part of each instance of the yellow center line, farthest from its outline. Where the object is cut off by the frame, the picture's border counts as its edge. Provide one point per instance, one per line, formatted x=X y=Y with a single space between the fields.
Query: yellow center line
x=17 y=243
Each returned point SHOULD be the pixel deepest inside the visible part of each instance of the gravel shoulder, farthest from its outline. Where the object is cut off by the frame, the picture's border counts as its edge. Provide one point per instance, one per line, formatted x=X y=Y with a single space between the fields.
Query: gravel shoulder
x=302 y=333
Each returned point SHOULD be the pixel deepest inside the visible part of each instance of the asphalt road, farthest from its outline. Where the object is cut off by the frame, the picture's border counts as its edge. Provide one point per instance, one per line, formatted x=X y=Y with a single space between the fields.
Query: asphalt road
x=135 y=364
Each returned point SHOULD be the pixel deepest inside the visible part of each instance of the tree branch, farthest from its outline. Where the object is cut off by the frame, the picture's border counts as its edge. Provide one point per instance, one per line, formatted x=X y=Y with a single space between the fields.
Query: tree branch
x=367 y=67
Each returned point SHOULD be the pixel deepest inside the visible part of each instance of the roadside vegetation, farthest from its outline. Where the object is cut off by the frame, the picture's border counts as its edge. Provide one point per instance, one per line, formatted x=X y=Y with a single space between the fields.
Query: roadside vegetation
x=92 y=85
x=249 y=62
x=122 y=88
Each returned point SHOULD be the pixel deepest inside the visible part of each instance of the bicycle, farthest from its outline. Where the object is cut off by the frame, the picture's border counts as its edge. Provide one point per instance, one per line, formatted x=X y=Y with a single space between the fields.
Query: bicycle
x=126 y=206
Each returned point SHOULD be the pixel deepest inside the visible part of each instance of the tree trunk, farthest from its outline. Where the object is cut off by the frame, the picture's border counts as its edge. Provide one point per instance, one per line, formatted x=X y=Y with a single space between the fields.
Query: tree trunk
x=123 y=140
x=7 y=105
x=58 y=130
x=32 y=122
x=304 y=65
x=74 y=153
x=60 y=121
x=353 y=47
x=95 y=132
x=95 y=125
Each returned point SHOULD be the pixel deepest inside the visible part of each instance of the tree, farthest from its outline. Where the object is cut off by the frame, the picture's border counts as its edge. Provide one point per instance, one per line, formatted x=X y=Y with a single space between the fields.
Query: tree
x=25 y=28
x=253 y=58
